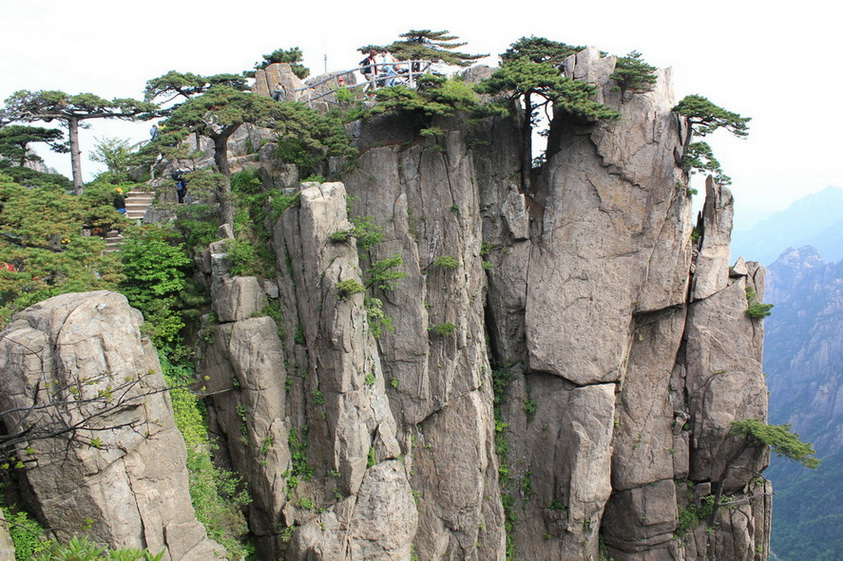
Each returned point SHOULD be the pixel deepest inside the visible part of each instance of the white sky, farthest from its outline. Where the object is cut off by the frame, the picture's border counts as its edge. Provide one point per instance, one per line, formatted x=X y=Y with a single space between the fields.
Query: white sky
x=776 y=65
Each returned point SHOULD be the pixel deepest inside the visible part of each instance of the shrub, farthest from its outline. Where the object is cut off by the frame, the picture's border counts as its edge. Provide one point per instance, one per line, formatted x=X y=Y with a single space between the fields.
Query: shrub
x=348 y=287
x=779 y=438
x=366 y=232
x=215 y=493
x=633 y=74
x=758 y=310
x=155 y=276
x=43 y=249
x=755 y=309
x=378 y=320
x=447 y=262
x=443 y=329
x=382 y=274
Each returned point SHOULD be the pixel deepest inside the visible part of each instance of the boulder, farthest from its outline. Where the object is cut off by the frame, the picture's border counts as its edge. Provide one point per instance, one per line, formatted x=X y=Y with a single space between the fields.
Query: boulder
x=239 y=298
x=124 y=468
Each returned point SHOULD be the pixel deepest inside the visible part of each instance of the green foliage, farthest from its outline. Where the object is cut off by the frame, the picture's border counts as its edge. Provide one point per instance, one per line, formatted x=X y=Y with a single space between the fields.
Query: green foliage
x=117 y=156
x=257 y=210
x=366 y=232
x=306 y=137
x=524 y=78
x=530 y=72
x=43 y=250
x=344 y=95
x=382 y=274
x=26 y=535
x=530 y=406
x=219 y=110
x=186 y=84
x=446 y=262
x=292 y=56
x=557 y=505
x=443 y=329
x=379 y=322
x=756 y=310
x=705 y=117
x=695 y=513
x=197 y=224
x=43 y=105
x=31 y=544
x=779 y=438
x=298 y=453
x=699 y=157
x=434 y=96
x=31 y=178
x=154 y=272
x=435 y=46
x=26 y=106
x=349 y=287
x=216 y=494
x=340 y=236
x=633 y=74
x=539 y=50
x=15 y=141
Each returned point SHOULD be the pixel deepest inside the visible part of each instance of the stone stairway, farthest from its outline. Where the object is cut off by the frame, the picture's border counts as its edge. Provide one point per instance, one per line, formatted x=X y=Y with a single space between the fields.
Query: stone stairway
x=136 y=204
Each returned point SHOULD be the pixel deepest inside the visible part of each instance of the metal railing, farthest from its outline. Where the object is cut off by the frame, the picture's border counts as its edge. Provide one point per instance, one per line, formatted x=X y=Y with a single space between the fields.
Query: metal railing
x=405 y=72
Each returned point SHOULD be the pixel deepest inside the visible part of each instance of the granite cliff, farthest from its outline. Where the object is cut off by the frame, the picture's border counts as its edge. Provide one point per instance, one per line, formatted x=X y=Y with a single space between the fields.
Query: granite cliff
x=562 y=368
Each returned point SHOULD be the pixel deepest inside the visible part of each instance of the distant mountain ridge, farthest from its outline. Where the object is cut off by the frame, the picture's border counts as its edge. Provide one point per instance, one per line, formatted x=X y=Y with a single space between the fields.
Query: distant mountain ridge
x=815 y=220
x=803 y=360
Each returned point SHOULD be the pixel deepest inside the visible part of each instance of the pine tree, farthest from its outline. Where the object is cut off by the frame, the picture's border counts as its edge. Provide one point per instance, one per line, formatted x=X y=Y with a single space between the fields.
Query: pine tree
x=187 y=85
x=633 y=74
x=73 y=110
x=530 y=72
x=435 y=46
x=293 y=57
x=704 y=118
x=15 y=141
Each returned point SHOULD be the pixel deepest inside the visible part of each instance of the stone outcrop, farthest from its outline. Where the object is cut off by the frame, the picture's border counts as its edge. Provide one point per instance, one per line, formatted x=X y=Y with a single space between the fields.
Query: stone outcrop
x=266 y=78
x=79 y=360
x=560 y=367
x=563 y=364
x=276 y=396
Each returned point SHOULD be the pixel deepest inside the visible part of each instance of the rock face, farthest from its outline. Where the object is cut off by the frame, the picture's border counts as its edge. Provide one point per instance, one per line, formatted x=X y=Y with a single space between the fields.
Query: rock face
x=7 y=548
x=563 y=365
x=126 y=469
x=554 y=376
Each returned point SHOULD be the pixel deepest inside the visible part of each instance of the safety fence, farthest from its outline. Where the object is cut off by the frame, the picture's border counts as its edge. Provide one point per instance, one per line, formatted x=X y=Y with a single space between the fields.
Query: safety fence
x=405 y=72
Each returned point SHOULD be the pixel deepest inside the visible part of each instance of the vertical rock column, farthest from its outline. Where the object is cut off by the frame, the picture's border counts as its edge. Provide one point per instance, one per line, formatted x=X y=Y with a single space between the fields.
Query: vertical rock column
x=424 y=196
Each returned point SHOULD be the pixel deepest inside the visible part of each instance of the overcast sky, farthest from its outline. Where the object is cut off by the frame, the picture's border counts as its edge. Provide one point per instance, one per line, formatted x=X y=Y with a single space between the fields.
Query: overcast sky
x=776 y=65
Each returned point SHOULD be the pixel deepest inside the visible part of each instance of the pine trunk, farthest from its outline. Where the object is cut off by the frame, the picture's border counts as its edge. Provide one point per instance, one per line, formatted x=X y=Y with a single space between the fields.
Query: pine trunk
x=75 y=154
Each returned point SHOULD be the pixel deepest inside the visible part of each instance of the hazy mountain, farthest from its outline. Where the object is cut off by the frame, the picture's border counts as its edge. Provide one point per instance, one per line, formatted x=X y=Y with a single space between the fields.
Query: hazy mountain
x=803 y=360
x=815 y=220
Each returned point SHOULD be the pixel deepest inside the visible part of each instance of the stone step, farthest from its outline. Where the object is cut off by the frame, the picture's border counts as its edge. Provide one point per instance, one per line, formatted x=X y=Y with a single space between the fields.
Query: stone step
x=137 y=202
x=113 y=241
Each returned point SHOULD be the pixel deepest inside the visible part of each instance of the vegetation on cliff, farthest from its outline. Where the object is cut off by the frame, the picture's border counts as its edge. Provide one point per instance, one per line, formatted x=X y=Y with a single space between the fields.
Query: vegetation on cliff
x=156 y=263
x=704 y=118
